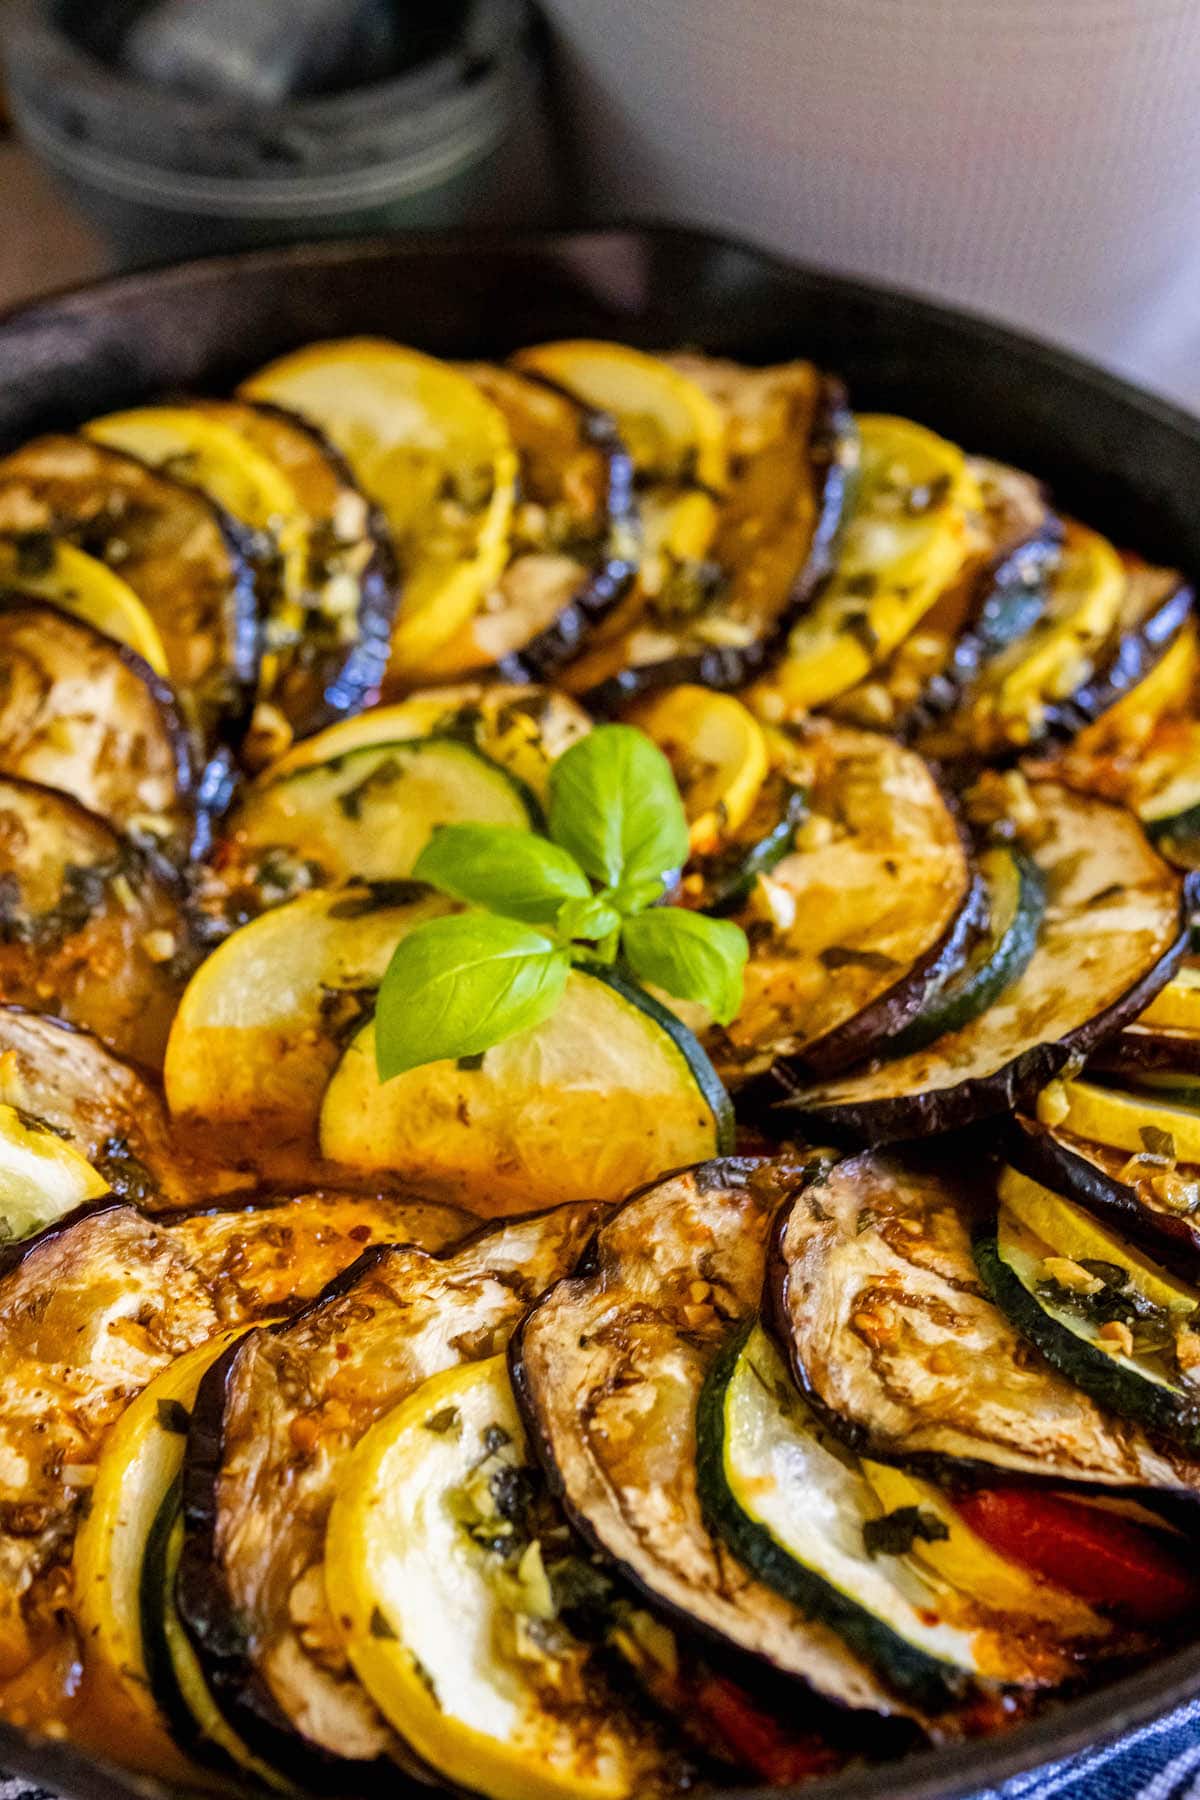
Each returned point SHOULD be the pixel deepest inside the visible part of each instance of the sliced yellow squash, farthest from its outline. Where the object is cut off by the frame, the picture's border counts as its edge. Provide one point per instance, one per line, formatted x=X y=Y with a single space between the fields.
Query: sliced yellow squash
x=1130 y=1122
x=718 y=751
x=908 y=534
x=41 y=1175
x=435 y=453
x=55 y=570
x=1177 y=1007
x=443 y=1625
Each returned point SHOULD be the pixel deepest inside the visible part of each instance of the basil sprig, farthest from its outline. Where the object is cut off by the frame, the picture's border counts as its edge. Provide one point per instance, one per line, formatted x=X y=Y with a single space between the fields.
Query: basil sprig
x=586 y=893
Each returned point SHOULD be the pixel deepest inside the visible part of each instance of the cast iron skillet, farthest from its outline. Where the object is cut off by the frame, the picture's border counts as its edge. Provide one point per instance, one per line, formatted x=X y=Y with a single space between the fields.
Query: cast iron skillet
x=1126 y=462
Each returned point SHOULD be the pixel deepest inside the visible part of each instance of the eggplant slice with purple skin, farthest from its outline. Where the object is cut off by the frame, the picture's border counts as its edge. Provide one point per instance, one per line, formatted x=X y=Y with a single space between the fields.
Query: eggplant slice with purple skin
x=179 y=554
x=1152 y=1203
x=792 y=454
x=1114 y=931
x=274 y=1423
x=1157 y=606
x=82 y=713
x=881 y=900
x=874 y=1296
x=608 y=1369
x=88 y=930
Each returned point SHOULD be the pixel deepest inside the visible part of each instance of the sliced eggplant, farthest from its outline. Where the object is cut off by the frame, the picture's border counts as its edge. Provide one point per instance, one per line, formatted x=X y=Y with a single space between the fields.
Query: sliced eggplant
x=436 y=456
x=791 y=450
x=443 y=1551
x=84 y=714
x=1111 y=1321
x=875 y=1298
x=602 y=1097
x=862 y=921
x=42 y=1176
x=609 y=1368
x=87 y=930
x=1113 y=933
x=1016 y=905
x=1157 y=606
x=169 y=543
x=273 y=1429
x=1144 y=1196
x=1151 y=1054
x=995 y=599
x=365 y=813
x=910 y=529
x=1012 y=703
x=264 y=1020
x=932 y=1609
x=49 y=568
x=575 y=536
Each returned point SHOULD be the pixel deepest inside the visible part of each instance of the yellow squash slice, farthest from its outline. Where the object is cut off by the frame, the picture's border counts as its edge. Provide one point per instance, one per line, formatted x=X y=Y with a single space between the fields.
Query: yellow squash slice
x=1134 y=1122
x=41 y=1175
x=718 y=751
x=437 y=456
x=55 y=570
x=1177 y=1007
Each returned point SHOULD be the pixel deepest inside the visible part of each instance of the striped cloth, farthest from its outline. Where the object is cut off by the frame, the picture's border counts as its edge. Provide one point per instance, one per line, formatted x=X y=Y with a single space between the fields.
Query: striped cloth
x=1159 y=1762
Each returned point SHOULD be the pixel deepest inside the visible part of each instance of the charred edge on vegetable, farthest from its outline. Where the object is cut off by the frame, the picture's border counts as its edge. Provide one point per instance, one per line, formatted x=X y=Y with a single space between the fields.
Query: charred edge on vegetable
x=724 y=667
x=608 y=583
x=1143 y=1047
x=901 y=1117
x=12 y=1255
x=857 y=1037
x=1036 y=1151
x=1130 y=659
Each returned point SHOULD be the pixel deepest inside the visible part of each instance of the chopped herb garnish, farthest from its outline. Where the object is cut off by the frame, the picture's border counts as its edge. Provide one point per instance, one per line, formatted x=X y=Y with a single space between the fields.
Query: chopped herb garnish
x=896 y=1532
x=448 y=1418
x=174 y=1416
x=379 y=1627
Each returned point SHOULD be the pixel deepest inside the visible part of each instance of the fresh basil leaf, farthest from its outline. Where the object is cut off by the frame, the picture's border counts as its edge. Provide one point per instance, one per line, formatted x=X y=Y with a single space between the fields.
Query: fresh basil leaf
x=635 y=896
x=689 y=956
x=614 y=805
x=592 y=919
x=460 y=985
x=503 y=868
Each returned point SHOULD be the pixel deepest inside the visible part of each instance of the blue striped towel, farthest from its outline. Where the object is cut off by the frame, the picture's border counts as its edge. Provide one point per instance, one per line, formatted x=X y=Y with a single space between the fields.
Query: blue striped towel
x=1159 y=1762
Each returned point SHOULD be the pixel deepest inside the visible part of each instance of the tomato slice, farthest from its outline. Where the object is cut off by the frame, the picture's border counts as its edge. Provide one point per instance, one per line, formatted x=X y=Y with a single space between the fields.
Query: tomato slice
x=757 y=1738
x=1108 y=1560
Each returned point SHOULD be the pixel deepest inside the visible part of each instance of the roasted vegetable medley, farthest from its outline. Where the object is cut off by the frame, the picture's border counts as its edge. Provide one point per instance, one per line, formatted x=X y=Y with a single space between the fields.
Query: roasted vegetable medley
x=771 y=1340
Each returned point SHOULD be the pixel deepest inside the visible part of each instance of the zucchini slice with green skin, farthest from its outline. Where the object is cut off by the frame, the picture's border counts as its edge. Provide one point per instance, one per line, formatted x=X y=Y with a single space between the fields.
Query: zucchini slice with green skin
x=727 y=879
x=84 y=714
x=1142 y=1196
x=1016 y=905
x=1113 y=934
x=42 y=1176
x=874 y=1295
x=873 y=909
x=808 y=1519
x=274 y=1425
x=1139 y=1378
x=605 y=1095
x=88 y=930
x=608 y=1369
x=175 y=549
x=441 y=1551
x=365 y=814
x=262 y=1023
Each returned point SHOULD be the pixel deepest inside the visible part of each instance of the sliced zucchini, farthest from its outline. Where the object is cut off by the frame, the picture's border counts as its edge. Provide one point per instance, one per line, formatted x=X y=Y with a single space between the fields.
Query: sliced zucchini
x=718 y=753
x=87 y=930
x=42 y=1176
x=49 y=568
x=860 y=922
x=364 y=814
x=1114 y=930
x=332 y=659
x=169 y=543
x=84 y=714
x=522 y=728
x=437 y=1551
x=933 y=1616
x=1114 y=1323
x=608 y=1369
x=1013 y=702
x=263 y=1021
x=908 y=533
x=1016 y=897
x=275 y=1424
x=1132 y=1122
x=726 y=880
x=791 y=451
x=603 y=1097
x=995 y=599
x=875 y=1297
x=1144 y=1197
x=436 y=455
x=1177 y=1007
x=575 y=538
